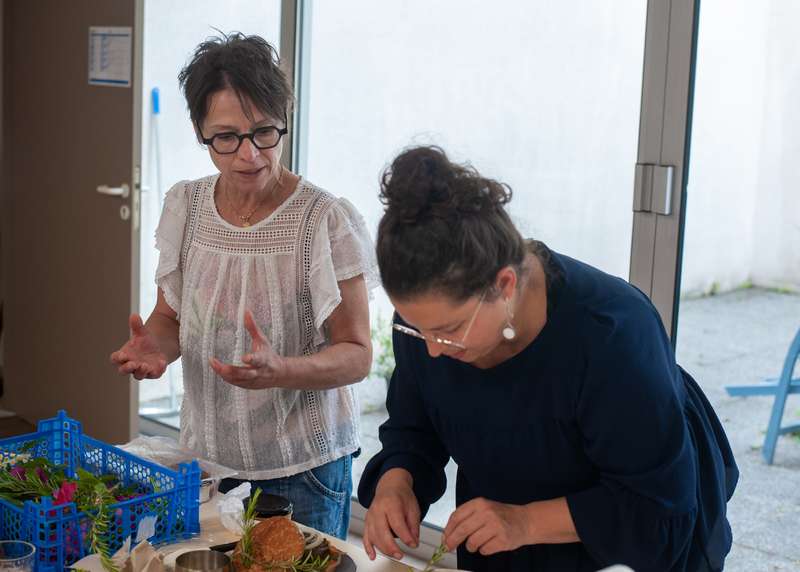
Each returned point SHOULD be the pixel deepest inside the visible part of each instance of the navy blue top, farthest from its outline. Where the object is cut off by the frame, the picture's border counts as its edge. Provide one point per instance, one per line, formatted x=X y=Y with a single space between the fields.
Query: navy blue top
x=594 y=409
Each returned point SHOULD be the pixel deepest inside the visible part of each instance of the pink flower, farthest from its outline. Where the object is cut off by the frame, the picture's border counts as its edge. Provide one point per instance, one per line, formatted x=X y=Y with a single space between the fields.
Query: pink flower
x=42 y=474
x=18 y=472
x=65 y=493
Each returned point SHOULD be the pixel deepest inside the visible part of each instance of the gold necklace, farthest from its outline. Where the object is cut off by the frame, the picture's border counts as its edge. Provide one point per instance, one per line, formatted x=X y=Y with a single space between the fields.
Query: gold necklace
x=246 y=218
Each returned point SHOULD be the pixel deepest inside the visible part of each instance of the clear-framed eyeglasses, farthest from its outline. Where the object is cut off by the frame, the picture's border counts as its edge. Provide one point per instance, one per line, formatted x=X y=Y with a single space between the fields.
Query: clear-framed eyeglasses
x=228 y=142
x=443 y=341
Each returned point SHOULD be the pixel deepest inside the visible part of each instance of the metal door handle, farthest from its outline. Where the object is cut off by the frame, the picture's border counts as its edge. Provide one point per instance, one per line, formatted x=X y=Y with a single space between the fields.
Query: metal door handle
x=122 y=191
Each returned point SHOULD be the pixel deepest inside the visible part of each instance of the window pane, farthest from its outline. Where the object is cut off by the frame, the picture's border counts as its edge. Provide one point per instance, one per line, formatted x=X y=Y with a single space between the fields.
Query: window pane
x=544 y=96
x=170 y=151
x=740 y=281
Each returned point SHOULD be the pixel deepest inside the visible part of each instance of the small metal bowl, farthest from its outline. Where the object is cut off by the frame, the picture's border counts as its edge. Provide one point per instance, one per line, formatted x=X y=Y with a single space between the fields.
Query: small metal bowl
x=203 y=561
x=208 y=487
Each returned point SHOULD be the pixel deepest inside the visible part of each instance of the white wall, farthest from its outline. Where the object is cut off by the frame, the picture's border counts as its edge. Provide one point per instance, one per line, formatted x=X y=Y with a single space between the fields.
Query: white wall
x=542 y=95
x=776 y=253
x=743 y=211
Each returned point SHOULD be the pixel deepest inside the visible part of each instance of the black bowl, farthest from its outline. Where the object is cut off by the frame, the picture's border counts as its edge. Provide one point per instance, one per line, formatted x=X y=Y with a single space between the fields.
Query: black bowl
x=270 y=505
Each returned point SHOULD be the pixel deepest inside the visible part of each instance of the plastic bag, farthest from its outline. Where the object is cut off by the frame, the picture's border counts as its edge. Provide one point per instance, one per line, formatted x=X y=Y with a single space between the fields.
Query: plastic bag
x=169 y=453
x=231 y=507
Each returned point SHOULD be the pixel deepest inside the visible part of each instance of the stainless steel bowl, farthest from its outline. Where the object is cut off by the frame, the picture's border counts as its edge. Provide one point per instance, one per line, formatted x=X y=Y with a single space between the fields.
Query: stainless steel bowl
x=203 y=561
x=208 y=487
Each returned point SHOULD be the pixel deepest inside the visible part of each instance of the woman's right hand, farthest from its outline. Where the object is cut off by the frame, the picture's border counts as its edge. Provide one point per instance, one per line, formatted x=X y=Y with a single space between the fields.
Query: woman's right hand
x=141 y=355
x=394 y=512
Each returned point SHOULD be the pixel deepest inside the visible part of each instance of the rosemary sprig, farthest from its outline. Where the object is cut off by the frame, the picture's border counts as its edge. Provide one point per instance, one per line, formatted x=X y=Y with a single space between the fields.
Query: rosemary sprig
x=438 y=554
x=98 y=536
x=248 y=524
x=308 y=562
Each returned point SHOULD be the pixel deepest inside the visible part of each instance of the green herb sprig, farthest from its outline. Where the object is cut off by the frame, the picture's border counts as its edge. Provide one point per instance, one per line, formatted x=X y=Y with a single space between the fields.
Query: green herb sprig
x=438 y=554
x=32 y=487
x=306 y=563
x=248 y=524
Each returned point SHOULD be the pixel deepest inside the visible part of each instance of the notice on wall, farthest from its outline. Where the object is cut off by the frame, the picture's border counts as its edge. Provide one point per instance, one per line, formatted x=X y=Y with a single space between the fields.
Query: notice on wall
x=110 y=56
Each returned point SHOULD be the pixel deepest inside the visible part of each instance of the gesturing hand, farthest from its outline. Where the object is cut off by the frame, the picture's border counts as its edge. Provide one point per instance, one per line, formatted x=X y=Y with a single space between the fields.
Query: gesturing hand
x=141 y=355
x=263 y=366
x=487 y=526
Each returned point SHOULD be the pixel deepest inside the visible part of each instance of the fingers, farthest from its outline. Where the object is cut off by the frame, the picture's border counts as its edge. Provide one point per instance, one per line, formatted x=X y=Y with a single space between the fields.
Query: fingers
x=385 y=519
x=235 y=375
x=477 y=539
x=138 y=370
x=254 y=360
x=453 y=534
x=369 y=548
x=136 y=325
x=493 y=546
x=156 y=370
x=399 y=525
x=464 y=531
x=413 y=518
x=384 y=539
x=255 y=332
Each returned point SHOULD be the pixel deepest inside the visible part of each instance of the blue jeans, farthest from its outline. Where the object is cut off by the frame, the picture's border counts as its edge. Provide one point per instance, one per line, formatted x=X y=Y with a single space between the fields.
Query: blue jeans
x=321 y=496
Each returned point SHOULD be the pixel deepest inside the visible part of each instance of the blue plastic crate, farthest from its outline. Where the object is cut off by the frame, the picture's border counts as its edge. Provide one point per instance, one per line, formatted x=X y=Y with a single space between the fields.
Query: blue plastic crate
x=60 y=532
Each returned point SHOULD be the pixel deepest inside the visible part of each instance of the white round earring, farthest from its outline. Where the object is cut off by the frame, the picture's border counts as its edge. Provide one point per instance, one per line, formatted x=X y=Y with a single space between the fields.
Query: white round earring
x=509 y=333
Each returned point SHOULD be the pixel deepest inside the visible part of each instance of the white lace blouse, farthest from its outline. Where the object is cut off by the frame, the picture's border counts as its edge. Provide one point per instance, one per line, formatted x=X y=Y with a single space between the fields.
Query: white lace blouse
x=284 y=269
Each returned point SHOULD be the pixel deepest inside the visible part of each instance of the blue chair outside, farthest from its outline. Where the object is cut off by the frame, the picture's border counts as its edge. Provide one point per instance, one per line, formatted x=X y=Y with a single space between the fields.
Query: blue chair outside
x=780 y=388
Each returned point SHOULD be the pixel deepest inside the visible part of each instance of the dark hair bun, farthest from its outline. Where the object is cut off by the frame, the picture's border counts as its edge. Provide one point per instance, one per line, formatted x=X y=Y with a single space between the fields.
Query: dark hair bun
x=444 y=228
x=423 y=183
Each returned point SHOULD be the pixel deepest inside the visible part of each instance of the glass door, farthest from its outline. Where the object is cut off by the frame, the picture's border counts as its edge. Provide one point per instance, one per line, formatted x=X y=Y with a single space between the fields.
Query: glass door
x=544 y=96
x=170 y=151
x=740 y=277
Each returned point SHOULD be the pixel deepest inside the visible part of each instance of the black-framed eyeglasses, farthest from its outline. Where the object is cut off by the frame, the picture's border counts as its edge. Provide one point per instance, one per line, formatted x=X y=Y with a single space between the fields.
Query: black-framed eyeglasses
x=228 y=142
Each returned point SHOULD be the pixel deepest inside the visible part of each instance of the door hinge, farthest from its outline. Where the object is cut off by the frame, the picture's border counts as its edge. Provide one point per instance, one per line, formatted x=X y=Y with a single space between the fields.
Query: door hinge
x=652 y=189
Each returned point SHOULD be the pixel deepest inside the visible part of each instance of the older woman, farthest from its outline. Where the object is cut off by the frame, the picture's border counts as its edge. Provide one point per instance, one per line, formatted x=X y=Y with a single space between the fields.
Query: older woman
x=263 y=282
x=579 y=441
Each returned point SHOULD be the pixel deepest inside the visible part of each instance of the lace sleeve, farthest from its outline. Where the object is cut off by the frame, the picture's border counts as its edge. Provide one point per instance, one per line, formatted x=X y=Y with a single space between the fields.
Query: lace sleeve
x=342 y=249
x=169 y=241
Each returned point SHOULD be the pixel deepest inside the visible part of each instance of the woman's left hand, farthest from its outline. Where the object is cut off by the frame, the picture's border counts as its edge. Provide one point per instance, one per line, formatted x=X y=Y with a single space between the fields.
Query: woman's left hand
x=487 y=526
x=263 y=366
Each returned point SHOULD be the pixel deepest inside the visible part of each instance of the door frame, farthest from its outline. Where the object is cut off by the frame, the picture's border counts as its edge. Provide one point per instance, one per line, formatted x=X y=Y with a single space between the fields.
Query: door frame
x=136 y=187
x=664 y=140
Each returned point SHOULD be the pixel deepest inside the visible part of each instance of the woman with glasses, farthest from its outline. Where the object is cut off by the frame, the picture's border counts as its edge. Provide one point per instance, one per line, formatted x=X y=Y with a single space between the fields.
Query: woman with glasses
x=580 y=443
x=263 y=282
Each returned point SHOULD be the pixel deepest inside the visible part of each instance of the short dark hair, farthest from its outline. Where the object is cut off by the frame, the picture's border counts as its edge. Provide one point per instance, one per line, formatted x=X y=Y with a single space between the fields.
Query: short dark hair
x=444 y=228
x=247 y=64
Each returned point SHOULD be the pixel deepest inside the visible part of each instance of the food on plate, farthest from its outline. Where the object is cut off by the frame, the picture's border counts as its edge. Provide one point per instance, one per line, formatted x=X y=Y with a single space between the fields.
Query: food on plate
x=276 y=544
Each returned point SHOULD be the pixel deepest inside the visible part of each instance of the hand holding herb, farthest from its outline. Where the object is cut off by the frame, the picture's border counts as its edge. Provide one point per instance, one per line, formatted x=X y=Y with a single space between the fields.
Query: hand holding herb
x=438 y=554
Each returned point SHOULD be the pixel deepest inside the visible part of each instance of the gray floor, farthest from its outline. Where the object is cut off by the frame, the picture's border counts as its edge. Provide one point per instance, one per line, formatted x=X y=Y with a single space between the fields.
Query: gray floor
x=738 y=338
x=734 y=338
